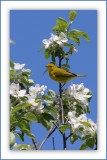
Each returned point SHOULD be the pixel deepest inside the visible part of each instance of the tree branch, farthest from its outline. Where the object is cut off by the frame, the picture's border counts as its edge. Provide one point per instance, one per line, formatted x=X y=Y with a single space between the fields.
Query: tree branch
x=53 y=143
x=34 y=142
x=61 y=107
x=47 y=136
x=68 y=136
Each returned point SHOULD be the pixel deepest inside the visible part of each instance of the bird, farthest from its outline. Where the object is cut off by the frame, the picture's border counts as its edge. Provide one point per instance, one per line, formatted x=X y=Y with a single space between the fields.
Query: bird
x=59 y=74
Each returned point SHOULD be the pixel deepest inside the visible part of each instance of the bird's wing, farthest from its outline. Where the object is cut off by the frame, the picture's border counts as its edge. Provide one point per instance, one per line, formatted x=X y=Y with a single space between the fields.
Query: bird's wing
x=62 y=73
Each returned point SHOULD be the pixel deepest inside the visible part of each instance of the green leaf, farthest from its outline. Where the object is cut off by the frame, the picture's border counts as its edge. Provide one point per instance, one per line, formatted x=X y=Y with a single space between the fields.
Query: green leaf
x=26 y=73
x=21 y=106
x=72 y=15
x=64 y=127
x=43 y=122
x=12 y=79
x=86 y=137
x=20 y=136
x=56 y=28
x=81 y=33
x=67 y=59
x=68 y=45
x=30 y=116
x=47 y=54
x=53 y=57
x=90 y=142
x=87 y=109
x=84 y=35
x=43 y=47
x=28 y=132
x=74 y=37
x=47 y=99
x=81 y=129
x=65 y=68
x=79 y=109
x=11 y=64
x=25 y=81
x=52 y=110
x=87 y=124
x=83 y=146
x=23 y=124
x=24 y=147
x=12 y=42
x=38 y=100
x=25 y=127
x=74 y=138
x=12 y=139
x=62 y=25
x=47 y=116
x=66 y=65
x=13 y=72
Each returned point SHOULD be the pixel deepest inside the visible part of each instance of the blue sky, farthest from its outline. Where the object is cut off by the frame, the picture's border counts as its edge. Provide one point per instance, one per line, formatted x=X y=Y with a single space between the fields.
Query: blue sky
x=28 y=28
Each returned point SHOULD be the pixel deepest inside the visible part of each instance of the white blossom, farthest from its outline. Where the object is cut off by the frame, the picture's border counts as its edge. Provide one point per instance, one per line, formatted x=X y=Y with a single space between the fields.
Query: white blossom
x=15 y=90
x=31 y=100
x=61 y=39
x=54 y=38
x=76 y=123
x=39 y=107
x=26 y=70
x=35 y=105
x=18 y=66
x=30 y=80
x=79 y=93
x=47 y=42
x=35 y=91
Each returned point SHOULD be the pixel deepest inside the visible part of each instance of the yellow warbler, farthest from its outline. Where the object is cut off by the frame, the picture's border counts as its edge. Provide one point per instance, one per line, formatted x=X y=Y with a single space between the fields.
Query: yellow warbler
x=60 y=75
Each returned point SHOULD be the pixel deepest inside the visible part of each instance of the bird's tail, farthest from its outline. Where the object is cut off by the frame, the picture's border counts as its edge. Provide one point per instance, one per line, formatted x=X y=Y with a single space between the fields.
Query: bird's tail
x=81 y=75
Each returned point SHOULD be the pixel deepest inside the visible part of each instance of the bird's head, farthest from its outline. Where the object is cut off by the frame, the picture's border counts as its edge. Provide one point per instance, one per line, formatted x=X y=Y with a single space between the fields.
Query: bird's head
x=50 y=66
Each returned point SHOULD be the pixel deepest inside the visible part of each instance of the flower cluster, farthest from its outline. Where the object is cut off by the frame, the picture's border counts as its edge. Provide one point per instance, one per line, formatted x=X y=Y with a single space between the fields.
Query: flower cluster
x=18 y=66
x=78 y=94
x=61 y=39
x=15 y=90
x=87 y=125
x=32 y=93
